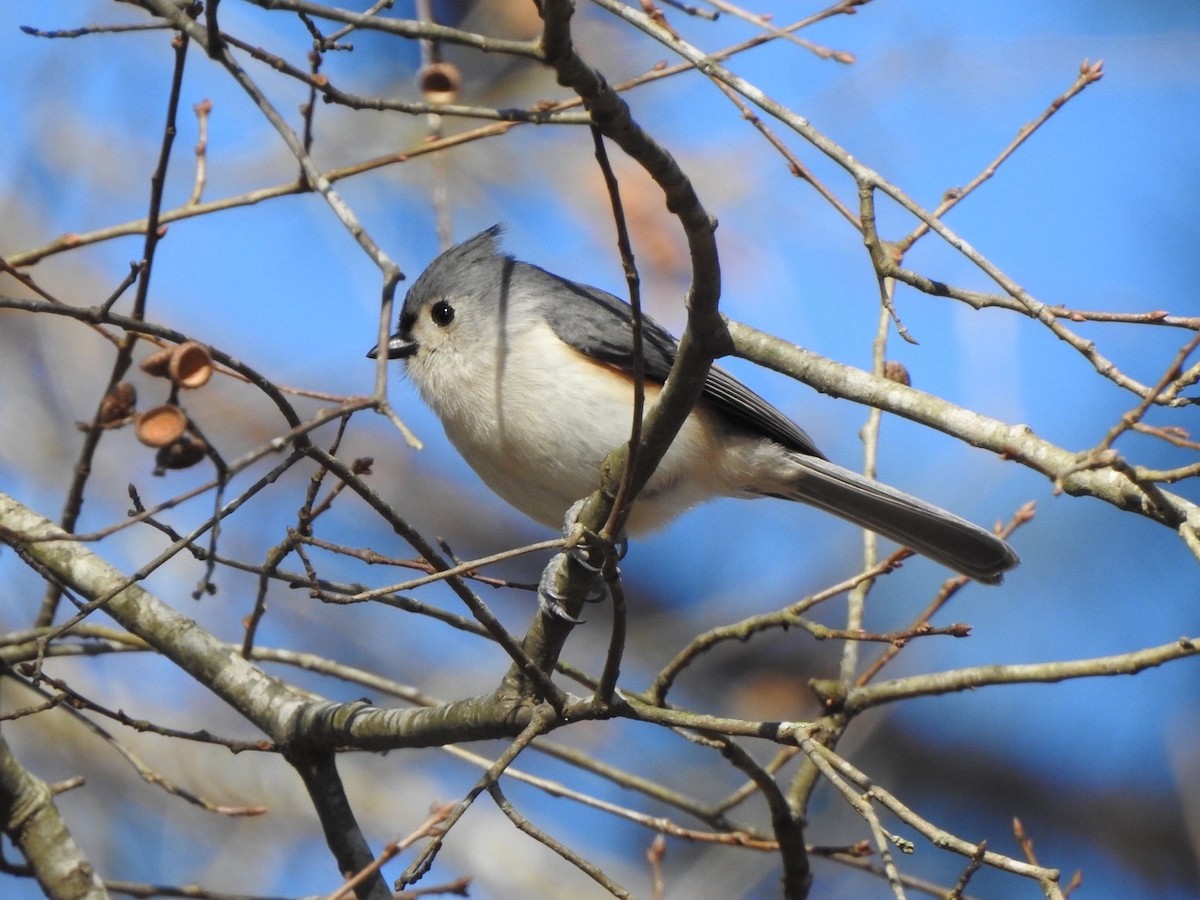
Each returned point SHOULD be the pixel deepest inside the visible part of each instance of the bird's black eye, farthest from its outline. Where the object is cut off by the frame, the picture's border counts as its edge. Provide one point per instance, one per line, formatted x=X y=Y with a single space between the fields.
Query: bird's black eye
x=442 y=313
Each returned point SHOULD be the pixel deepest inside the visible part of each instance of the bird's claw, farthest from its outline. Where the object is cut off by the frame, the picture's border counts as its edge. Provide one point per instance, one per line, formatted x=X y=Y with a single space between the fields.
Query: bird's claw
x=551 y=601
x=588 y=548
x=551 y=605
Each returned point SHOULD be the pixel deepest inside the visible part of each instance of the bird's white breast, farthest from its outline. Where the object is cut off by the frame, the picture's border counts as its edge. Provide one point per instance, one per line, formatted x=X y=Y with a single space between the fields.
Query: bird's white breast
x=536 y=418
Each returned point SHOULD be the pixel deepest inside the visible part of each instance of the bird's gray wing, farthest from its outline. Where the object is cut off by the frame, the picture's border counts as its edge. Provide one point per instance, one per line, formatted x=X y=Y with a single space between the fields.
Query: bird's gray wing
x=598 y=325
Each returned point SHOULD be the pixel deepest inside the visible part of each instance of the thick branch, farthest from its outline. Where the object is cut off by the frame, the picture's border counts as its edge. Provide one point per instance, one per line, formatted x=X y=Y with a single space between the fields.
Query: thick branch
x=1018 y=442
x=30 y=819
x=957 y=680
x=287 y=716
x=342 y=834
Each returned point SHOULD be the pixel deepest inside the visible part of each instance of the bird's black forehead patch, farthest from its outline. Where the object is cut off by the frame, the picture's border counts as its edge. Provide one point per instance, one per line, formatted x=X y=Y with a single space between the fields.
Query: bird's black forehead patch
x=408 y=318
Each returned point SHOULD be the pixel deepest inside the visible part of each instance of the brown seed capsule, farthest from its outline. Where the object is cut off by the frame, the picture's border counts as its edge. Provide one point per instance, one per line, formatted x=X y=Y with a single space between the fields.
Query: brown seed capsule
x=895 y=371
x=161 y=425
x=118 y=403
x=156 y=363
x=439 y=82
x=191 y=365
x=181 y=454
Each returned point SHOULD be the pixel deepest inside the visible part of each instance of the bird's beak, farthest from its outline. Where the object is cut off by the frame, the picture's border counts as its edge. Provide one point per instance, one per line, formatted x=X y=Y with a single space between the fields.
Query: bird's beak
x=397 y=347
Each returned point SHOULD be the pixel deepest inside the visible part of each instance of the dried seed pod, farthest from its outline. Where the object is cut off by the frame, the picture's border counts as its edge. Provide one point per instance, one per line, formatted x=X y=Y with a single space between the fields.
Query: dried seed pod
x=156 y=363
x=895 y=371
x=181 y=454
x=118 y=403
x=161 y=425
x=191 y=365
x=439 y=82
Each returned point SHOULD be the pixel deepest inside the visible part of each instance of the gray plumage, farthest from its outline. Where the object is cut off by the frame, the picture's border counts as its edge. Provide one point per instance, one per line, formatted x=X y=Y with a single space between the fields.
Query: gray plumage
x=507 y=374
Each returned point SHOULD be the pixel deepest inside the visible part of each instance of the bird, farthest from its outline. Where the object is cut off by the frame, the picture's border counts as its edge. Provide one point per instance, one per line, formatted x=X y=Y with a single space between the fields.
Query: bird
x=531 y=376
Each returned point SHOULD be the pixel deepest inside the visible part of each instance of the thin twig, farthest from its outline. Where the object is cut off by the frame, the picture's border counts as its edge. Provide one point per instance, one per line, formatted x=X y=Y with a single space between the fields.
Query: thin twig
x=543 y=718
x=581 y=862
x=1089 y=73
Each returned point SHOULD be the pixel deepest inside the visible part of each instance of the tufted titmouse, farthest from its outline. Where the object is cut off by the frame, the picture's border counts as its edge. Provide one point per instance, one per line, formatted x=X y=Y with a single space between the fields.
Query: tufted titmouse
x=530 y=376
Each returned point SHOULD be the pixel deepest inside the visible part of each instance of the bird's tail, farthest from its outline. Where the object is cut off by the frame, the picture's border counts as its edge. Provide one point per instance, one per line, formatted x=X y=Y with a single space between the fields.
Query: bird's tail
x=930 y=531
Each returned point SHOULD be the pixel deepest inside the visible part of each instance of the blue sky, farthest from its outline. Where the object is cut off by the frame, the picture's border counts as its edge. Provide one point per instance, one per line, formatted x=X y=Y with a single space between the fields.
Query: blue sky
x=1095 y=212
